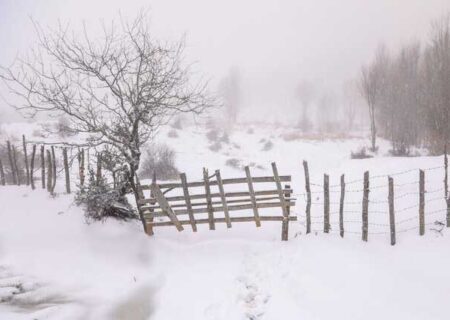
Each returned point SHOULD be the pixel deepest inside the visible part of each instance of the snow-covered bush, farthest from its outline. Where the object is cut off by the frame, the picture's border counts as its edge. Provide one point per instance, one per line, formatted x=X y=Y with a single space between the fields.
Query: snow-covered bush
x=101 y=201
x=268 y=145
x=159 y=159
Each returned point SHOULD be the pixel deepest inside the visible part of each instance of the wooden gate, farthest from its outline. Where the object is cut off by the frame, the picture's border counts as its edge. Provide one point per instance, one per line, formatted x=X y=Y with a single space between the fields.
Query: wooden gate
x=193 y=203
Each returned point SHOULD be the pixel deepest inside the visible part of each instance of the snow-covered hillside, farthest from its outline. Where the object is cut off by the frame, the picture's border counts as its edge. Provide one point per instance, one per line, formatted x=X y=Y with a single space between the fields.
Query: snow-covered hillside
x=55 y=266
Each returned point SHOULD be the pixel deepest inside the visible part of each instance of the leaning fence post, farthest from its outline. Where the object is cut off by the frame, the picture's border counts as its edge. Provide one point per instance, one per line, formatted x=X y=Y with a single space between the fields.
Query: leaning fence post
x=341 y=207
x=284 y=204
x=308 y=197
x=365 y=208
x=391 y=210
x=25 y=156
x=326 y=205
x=421 y=202
x=42 y=167
x=2 y=174
x=66 y=170
x=33 y=156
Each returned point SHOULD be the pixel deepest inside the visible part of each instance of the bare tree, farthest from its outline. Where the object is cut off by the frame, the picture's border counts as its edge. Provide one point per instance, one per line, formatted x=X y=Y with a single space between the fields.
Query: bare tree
x=119 y=88
x=350 y=97
x=305 y=93
x=230 y=89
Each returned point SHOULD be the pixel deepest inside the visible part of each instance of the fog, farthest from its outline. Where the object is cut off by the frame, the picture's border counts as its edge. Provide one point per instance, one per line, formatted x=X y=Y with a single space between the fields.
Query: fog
x=273 y=44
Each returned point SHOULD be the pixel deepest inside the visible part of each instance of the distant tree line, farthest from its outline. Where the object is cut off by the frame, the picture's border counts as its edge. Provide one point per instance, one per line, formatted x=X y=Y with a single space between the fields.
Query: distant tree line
x=408 y=93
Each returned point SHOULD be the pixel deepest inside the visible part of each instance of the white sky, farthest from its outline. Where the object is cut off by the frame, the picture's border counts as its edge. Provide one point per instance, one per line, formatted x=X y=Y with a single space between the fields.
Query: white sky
x=274 y=43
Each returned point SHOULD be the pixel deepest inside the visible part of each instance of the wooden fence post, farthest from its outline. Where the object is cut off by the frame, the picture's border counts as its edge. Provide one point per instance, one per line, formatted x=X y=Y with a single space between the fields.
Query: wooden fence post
x=285 y=225
x=212 y=225
x=365 y=208
x=187 y=199
x=2 y=174
x=66 y=170
x=54 y=169
x=81 y=166
x=446 y=172
x=49 y=171
x=308 y=197
x=284 y=204
x=43 y=167
x=391 y=210
x=16 y=168
x=25 y=156
x=11 y=163
x=222 y=198
x=341 y=207
x=252 y=196
x=421 y=202
x=33 y=156
x=448 y=212
x=326 y=205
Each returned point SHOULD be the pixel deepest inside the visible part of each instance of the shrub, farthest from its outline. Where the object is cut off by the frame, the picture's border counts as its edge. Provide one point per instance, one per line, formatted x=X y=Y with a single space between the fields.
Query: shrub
x=267 y=146
x=100 y=201
x=212 y=135
x=234 y=163
x=216 y=146
x=360 y=154
x=159 y=159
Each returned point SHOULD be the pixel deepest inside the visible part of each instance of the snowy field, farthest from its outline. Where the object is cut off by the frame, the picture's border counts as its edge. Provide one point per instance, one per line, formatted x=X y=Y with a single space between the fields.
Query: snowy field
x=55 y=266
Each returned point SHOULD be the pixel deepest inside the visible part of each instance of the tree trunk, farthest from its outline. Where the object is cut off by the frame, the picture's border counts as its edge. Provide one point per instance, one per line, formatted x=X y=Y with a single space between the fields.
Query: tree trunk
x=25 y=156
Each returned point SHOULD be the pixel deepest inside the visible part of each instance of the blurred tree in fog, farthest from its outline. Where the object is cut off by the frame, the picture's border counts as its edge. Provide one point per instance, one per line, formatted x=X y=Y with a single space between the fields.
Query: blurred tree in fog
x=231 y=92
x=305 y=93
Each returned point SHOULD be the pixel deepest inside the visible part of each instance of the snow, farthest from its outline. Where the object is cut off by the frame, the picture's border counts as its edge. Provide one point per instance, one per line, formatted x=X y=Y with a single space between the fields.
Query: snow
x=53 y=265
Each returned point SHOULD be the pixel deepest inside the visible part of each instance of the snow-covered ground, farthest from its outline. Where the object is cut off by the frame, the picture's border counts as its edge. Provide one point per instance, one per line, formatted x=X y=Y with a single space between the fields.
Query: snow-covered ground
x=55 y=266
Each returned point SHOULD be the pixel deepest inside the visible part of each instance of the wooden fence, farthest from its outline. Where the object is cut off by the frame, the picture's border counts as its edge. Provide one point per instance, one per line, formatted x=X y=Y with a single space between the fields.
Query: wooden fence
x=420 y=212
x=166 y=202
x=186 y=203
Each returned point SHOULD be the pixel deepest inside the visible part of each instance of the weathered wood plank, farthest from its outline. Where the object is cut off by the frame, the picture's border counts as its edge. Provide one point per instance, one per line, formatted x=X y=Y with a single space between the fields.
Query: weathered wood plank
x=188 y=201
x=220 y=209
x=224 y=181
x=165 y=206
x=223 y=198
x=217 y=195
x=252 y=196
x=222 y=220
x=198 y=204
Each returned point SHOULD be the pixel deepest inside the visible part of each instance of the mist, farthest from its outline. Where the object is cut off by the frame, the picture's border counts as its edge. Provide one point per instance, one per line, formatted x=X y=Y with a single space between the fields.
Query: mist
x=274 y=44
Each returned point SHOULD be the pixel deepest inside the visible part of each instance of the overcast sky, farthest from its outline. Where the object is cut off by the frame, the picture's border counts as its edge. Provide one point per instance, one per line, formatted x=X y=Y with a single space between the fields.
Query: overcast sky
x=275 y=44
